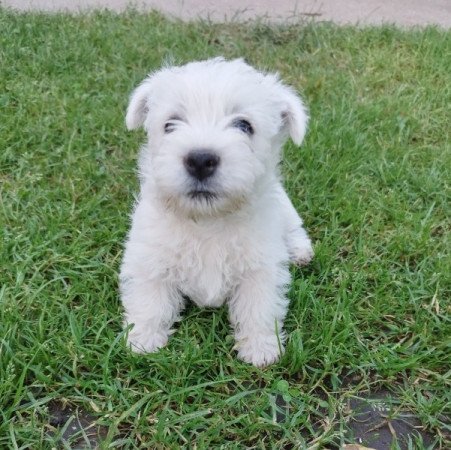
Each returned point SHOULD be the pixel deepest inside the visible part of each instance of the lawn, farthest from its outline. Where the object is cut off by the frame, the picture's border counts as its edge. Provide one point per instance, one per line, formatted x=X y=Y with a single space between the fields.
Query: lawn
x=370 y=315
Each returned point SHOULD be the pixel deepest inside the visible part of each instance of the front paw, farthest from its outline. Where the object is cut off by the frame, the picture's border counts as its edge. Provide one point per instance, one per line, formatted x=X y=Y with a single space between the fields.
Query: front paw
x=145 y=341
x=302 y=253
x=260 y=351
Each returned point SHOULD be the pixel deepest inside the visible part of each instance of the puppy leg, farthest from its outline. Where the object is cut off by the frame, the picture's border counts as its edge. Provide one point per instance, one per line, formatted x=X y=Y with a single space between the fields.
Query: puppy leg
x=257 y=311
x=298 y=243
x=152 y=307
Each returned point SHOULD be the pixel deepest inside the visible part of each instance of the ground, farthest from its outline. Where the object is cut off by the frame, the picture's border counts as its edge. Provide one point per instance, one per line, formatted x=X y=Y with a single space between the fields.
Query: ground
x=368 y=327
x=400 y=12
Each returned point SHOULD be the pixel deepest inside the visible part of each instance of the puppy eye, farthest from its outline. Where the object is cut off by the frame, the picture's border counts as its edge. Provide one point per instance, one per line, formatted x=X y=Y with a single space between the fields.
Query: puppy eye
x=244 y=126
x=171 y=124
x=169 y=127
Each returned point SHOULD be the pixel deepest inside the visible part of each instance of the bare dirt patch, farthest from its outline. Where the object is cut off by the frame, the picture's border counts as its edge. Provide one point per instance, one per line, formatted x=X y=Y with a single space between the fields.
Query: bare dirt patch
x=378 y=422
x=75 y=426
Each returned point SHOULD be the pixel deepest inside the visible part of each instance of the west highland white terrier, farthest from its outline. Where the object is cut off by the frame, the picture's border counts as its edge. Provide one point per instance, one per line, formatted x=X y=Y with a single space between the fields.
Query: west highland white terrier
x=212 y=222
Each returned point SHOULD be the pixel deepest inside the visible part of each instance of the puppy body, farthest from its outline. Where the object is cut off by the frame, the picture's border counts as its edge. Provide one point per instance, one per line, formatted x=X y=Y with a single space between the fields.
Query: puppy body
x=227 y=236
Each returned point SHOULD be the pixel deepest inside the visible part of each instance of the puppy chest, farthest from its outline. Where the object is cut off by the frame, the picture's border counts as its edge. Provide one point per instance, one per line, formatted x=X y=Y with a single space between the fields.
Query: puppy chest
x=208 y=270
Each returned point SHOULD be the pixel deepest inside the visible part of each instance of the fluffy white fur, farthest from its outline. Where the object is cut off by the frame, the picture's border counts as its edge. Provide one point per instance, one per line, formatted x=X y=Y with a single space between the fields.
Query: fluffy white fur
x=231 y=246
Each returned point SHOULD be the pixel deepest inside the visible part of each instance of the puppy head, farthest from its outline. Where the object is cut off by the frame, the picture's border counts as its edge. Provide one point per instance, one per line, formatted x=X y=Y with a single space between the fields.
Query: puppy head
x=215 y=129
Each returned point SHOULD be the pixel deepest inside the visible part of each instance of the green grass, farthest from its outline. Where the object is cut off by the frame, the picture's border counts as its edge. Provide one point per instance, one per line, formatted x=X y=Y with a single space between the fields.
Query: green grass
x=372 y=182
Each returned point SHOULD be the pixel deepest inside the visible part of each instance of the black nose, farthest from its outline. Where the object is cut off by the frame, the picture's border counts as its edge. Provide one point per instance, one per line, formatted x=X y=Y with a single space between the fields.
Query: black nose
x=201 y=164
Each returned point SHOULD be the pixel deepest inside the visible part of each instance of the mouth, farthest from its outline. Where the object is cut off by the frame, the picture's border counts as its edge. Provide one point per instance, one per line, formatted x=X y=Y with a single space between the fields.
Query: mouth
x=202 y=194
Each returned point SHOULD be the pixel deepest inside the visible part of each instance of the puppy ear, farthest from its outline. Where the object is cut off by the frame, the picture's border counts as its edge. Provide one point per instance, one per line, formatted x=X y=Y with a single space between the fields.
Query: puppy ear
x=294 y=115
x=139 y=105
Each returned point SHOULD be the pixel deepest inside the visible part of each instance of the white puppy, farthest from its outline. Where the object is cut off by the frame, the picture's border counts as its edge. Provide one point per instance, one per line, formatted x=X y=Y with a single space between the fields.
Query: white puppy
x=213 y=222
